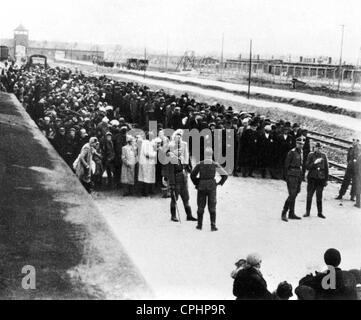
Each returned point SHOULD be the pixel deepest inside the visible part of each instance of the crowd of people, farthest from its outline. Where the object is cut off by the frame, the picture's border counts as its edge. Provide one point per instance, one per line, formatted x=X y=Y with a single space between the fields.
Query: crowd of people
x=332 y=284
x=70 y=107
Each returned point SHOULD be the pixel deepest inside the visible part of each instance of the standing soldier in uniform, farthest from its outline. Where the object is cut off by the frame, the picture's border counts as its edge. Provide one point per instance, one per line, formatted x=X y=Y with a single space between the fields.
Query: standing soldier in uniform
x=317 y=164
x=357 y=178
x=207 y=186
x=293 y=173
x=349 y=175
x=177 y=173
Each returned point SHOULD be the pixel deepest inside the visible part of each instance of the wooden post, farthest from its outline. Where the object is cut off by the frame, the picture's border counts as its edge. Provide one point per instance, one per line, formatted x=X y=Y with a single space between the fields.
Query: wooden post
x=250 y=70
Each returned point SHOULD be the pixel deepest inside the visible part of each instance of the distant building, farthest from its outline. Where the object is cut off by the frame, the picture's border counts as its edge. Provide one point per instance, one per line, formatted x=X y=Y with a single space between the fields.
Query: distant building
x=21 y=47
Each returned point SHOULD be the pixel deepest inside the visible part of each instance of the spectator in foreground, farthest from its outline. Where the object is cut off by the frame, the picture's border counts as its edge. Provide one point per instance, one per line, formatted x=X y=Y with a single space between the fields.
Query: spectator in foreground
x=321 y=282
x=283 y=292
x=249 y=283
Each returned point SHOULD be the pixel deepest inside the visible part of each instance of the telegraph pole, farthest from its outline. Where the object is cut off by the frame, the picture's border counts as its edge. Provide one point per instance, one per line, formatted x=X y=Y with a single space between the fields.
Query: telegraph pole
x=340 y=66
x=222 y=56
x=250 y=69
x=166 y=61
x=145 y=58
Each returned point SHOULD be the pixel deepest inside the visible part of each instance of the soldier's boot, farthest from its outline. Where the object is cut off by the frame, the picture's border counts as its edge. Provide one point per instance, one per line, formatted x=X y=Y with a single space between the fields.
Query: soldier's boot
x=308 y=207
x=213 y=221
x=358 y=201
x=189 y=214
x=200 y=221
x=284 y=211
x=173 y=212
x=292 y=215
x=352 y=198
x=319 y=209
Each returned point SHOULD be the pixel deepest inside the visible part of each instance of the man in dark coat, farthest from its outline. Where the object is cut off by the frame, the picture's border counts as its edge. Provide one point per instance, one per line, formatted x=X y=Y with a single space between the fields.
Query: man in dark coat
x=71 y=148
x=322 y=282
x=317 y=164
x=176 y=119
x=349 y=174
x=283 y=146
x=108 y=153
x=60 y=142
x=119 y=141
x=293 y=170
x=249 y=283
x=295 y=133
x=306 y=151
x=266 y=152
x=248 y=152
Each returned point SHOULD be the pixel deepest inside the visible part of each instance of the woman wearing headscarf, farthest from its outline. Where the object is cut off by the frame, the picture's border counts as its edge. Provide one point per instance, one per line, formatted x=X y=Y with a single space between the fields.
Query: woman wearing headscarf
x=84 y=162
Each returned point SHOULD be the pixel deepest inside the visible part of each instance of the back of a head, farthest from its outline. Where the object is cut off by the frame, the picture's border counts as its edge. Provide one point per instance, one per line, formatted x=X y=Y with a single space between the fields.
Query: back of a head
x=305 y=293
x=254 y=259
x=332 y=257
x=284 y=290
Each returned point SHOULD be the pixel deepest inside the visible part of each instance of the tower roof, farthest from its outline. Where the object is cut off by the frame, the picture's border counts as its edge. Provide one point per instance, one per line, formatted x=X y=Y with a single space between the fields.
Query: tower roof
x=21 y=28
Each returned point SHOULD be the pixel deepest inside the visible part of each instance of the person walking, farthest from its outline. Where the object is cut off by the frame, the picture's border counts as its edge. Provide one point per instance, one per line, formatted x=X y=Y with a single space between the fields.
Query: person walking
x=207 y=186
x=317 y=178
x=293 y=173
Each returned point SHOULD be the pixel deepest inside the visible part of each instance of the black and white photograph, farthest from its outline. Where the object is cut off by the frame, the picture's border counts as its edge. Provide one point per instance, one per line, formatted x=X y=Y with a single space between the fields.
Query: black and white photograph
x=180 y=150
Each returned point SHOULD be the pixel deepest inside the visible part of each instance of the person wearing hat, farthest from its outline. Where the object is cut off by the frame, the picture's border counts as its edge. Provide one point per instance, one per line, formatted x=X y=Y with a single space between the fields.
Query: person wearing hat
x=295 y=133
x=83 y=163
x=249 y=283
x=107 y=148
x=248 y=150
x=349 y=177
x=317 y=166
x=266 y=152
x=70 y=147
x=293 y=176
x=207 y=186
x=177 y=173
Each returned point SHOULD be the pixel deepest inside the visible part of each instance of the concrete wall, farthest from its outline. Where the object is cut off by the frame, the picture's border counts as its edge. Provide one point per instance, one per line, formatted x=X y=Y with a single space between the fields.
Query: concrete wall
x=48 y=221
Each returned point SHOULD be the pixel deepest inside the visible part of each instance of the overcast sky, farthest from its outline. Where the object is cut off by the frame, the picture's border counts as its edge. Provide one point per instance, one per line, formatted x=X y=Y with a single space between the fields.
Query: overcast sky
x=296 y=27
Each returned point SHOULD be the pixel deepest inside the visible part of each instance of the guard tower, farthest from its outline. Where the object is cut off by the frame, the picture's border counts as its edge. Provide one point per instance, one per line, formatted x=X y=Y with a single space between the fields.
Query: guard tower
x=21 y=42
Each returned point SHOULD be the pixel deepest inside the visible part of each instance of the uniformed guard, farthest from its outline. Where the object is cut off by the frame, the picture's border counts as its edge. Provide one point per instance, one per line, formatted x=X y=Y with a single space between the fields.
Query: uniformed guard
x=207 y=186
x=293 y=173
x=177 y=174
x=317 y=178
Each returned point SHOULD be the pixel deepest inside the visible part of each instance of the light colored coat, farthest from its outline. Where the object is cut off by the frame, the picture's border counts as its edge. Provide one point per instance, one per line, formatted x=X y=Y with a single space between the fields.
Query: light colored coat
x=84 y=159
x=147 y=162
x=129 y=160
